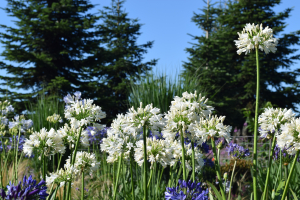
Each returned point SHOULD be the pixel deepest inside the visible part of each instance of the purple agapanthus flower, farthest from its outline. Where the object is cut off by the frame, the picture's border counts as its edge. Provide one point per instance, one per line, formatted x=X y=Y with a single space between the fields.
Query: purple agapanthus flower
x=286 y=158
x=236 y=151
x=21 y=141
x=95 y=135
x=24 y=124
x=186 y=191
x=28 y=190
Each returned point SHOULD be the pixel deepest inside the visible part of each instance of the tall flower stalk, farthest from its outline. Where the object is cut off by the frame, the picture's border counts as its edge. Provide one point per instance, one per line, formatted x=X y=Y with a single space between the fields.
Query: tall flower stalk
x=254 y=36
x=270 y=122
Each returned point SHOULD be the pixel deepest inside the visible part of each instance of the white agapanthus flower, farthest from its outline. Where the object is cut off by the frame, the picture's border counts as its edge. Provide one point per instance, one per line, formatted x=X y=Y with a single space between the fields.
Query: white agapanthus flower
x=46 y=142
x=67 y=174
x=70 y=135
x=148 y=116
x=82 y=112
x=290 y=136
x=5 y=108
x=158 y=151
x=121 y=137
x=199 y=162
x=54 y=118
x=85 y=162
x=117 y=144
x=184 y=111
x=254 y=36
x=211 y=127
x=271 y=120
x=177 y=154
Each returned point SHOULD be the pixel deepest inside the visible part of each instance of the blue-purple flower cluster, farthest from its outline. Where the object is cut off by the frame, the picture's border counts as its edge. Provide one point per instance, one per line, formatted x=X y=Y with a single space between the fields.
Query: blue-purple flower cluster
x=11 y=145
x=286 y=158
x=186 y=191
x=28 y=190
x=236 y=151
x=95 y=135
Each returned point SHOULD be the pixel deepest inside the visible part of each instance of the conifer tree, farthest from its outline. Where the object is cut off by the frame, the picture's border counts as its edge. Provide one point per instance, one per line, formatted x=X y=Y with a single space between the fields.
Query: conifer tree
x=230 y=79
x=53 y=47
x=123 y=59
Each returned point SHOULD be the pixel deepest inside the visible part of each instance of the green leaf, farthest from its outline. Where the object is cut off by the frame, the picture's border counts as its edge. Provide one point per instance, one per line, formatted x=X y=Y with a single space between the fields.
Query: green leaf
x=53 y=194
x=217 y=193
x=279 y=190
x=294 y=195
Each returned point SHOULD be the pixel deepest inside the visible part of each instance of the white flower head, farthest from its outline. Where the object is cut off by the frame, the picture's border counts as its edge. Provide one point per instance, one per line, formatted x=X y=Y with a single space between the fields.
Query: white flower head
x=211 y=127
x=183 y=112
x=271 y=120
x=290 y=136
x=254 y=36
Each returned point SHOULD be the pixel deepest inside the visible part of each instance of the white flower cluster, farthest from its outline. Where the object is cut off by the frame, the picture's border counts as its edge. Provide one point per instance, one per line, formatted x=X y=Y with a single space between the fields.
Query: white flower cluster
x=48 y=143
x=5 y=108
x=148 y=116
x=254 y=36
x=211 y=127
x=82 y=112
x=70 y=135
x=199 y=162
x=120 y=140
x=158 y=151
x=271 y=120
x=54 y=118
x=62 y=176
x=184 y=111
x=85 y=162
x=290 y=136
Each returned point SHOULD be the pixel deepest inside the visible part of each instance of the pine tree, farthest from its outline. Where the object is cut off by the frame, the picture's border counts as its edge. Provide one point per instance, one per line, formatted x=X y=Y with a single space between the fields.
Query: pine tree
x=230 y=78
x=123 y=59
x=52 y=46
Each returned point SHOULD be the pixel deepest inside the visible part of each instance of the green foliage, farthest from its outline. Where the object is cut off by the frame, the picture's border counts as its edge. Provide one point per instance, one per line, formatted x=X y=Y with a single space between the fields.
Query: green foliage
x=48 y=47
x=123 y=60
x=45 y=106
x=160 y=90
x=232 y=77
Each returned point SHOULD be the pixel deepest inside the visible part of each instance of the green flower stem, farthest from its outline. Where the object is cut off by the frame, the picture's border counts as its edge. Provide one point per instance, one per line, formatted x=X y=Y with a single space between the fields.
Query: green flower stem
x=193 y=161
x=269 y=169
x=44 y=166
x=229 y=193
x=255 y=129
x=132 y=181
x=82 y=185
x=218 y=151
x=151 y=172
x=1 y=184
x=170 y=176
x=117 y=179
x=290 y=175
x=217 y=167
x=280 y=168
x=159 y=180
x=76 y=146
x=17 y=143
x=65 y=189
x=183 y=155
x=145 y=162
x=73 y=157
x=14 y=164
x=286 y=177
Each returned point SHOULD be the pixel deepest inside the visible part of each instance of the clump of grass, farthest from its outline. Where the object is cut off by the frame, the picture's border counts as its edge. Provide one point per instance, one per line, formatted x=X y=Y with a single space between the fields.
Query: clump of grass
x=45 y=106
x=160 y=90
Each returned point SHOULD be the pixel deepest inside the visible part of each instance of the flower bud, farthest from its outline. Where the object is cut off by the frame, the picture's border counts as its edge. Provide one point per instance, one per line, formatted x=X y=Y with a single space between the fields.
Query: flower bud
x=273 y=194
x=225 y=176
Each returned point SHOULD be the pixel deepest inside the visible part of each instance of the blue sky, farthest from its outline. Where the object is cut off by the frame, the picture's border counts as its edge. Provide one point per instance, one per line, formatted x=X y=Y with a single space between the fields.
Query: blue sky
x=167 y=23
